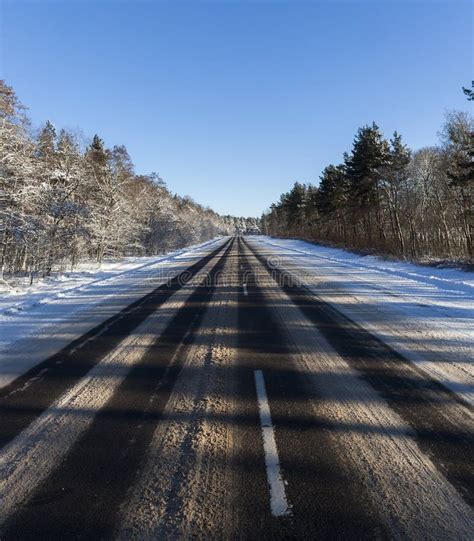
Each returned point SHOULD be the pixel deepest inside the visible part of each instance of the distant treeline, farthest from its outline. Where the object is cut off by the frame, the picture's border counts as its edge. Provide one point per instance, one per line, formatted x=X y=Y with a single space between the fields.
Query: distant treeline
x=61 y=202
x=383 y=198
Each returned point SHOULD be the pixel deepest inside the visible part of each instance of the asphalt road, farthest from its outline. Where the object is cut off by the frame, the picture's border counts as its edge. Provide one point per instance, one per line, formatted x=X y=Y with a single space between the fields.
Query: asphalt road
x=232 y=403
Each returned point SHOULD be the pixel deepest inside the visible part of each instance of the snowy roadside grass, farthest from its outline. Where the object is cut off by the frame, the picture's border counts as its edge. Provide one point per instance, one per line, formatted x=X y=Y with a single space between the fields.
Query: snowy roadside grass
x=18 y=295
x=442 y=276
x=39 y=320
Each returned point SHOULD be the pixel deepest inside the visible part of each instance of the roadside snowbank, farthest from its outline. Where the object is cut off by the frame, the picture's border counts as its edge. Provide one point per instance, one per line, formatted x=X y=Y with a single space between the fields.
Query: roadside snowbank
x=425 y=313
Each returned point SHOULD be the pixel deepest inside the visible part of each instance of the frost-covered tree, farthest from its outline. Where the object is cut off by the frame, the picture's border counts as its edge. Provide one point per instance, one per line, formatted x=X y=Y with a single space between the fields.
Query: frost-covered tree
x=16 y=163
x=60 y=204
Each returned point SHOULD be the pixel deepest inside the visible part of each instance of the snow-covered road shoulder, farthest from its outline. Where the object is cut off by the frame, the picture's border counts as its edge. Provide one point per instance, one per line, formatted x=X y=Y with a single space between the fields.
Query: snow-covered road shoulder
x=37 y=321
x=425 y=313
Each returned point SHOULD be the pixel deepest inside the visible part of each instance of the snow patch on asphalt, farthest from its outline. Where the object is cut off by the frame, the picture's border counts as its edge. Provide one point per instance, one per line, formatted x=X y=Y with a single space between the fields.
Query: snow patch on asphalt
x=425 y=313
x=377 y=447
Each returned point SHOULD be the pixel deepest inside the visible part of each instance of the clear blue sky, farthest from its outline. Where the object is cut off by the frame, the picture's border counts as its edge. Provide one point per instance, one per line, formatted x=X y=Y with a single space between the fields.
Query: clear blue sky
x=231 y=102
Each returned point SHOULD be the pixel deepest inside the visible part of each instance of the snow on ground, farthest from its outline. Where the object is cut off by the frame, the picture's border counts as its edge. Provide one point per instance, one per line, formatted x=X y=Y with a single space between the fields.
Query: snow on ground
x=425 y=313
x=37 y=321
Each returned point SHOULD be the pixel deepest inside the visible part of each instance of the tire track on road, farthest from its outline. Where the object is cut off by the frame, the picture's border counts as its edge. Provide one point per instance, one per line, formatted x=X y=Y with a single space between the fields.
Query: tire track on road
x=326 y=500
x=26 y=398
x=441 y=421
x=84 y=492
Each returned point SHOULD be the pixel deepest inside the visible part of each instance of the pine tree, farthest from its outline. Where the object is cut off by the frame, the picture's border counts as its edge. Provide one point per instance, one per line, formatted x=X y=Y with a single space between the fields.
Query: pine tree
x=364 y=168
x=46 y=146
x=469 y=92
x=459 y=137
x=294 y=207
x=332 y=199
x=102 y=200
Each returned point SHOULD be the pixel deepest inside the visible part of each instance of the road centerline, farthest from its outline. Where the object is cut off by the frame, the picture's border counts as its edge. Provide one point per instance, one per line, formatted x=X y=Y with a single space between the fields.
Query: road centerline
x=278 y=501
